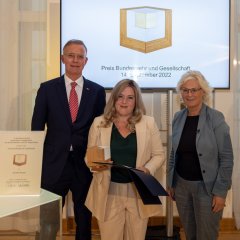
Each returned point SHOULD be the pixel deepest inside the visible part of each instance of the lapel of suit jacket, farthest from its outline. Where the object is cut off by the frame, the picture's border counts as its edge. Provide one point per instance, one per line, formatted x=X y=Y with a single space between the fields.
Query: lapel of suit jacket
x=178 y=128
x=202 y=120
x=62 y=93
x=105 y=136
x=141 y=131
x=86 y=96
x=105 y=140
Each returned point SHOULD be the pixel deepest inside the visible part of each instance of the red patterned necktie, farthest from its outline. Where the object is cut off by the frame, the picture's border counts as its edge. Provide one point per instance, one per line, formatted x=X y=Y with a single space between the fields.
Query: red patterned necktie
x=73 y=101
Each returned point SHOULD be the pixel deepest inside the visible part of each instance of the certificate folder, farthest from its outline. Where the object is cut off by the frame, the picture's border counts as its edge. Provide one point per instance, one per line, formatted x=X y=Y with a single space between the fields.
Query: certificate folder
x=148 y=187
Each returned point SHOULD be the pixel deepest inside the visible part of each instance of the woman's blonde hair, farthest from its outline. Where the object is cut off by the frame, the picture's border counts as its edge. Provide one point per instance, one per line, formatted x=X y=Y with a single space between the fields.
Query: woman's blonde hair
x=197 y=76
x=110 y=113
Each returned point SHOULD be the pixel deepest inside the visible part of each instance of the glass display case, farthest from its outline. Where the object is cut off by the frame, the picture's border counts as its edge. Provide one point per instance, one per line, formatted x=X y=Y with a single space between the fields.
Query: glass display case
x=31 y=217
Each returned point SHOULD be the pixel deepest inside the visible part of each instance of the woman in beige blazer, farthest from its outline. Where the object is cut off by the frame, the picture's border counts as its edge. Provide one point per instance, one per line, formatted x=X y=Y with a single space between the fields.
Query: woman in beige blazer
x=134 y=141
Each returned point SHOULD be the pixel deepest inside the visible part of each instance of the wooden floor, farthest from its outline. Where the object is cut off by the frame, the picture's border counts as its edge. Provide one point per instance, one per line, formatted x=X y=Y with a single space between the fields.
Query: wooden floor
x=234 y=235
x=231 y=235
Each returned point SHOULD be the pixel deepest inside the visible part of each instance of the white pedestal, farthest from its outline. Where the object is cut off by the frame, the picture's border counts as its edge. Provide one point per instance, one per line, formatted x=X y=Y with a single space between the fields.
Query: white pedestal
x=20 y=215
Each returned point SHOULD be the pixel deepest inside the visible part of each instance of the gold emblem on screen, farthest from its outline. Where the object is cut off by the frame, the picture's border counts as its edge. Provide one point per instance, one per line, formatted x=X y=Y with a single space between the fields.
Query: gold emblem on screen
x=145 y=29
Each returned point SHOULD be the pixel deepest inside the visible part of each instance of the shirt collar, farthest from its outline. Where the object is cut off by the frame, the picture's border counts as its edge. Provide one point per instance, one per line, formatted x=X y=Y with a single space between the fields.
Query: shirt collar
x=68 y=81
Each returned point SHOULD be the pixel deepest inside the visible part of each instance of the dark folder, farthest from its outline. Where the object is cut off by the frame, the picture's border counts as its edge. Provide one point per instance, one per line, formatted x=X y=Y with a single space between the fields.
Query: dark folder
x=149 y=188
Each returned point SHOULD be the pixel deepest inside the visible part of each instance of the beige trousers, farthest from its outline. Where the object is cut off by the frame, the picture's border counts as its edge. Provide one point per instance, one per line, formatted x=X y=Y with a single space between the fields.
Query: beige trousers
x=122 y=219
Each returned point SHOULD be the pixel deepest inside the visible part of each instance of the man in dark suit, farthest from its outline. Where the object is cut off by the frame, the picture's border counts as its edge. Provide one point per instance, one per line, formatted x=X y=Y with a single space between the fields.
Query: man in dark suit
x=63 y=167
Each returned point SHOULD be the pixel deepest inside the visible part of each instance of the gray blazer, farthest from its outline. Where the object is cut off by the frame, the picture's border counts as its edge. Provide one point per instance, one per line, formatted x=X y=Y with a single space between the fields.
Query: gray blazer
x=213 y=146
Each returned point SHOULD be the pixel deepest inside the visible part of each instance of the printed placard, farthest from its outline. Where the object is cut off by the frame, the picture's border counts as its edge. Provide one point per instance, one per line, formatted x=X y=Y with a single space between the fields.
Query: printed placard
x=21 y=162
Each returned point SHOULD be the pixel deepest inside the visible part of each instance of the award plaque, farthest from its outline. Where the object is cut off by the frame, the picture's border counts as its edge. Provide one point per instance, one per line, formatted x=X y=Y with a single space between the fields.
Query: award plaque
x=21 y=162
x=97 y=154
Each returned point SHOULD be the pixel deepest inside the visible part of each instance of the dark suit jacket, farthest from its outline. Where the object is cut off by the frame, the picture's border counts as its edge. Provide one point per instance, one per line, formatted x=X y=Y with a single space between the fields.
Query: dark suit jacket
x=51 y=108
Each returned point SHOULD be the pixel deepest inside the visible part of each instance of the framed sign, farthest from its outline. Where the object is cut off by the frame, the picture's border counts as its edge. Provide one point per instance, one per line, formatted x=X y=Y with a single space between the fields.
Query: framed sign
x=21 y=162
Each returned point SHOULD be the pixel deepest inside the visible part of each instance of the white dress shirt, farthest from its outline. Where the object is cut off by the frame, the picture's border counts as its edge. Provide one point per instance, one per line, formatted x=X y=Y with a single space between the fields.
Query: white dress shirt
x=78 y=88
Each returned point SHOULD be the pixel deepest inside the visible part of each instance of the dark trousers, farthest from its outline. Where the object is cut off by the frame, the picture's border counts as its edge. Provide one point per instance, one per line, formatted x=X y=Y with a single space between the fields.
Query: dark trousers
x=77 y=180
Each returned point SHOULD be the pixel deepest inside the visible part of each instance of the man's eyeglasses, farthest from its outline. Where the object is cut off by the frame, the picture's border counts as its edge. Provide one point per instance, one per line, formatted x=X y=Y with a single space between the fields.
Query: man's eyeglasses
x=186 y=91
x=73 y=56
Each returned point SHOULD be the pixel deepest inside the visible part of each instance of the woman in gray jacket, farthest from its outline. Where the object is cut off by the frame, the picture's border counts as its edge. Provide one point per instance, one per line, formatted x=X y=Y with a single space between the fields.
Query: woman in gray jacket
x=201 y=161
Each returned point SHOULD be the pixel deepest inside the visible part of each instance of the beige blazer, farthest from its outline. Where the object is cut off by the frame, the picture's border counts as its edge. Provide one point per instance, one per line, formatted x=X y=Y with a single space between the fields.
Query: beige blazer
x=150 y=154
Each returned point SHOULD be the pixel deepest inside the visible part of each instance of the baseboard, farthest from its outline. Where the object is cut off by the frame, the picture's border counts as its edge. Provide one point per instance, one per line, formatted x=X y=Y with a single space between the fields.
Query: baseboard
x=227 y=224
